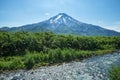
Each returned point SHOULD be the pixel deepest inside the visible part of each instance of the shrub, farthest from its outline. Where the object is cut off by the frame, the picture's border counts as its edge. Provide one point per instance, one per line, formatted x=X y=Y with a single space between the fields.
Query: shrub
x=114 y=73
x=16 y=64
x=29 y=63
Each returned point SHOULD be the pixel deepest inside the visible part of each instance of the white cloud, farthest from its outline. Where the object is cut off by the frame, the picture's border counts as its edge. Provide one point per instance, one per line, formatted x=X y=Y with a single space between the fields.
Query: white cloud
x=117 y=23
x=115 y=26
x=100 y=22
x=47 y=14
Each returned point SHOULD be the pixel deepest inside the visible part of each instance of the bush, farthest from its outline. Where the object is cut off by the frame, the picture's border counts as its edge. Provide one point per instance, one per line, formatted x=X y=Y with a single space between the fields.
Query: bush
x=5 y=65
x=16 y=64
x=12 y=44
x=114 y=73
x=29 y=63
x=25 y=50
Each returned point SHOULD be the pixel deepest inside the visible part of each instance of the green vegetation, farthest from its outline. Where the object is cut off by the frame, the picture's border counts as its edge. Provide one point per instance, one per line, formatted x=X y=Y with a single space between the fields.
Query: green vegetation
x=24 y=50
x=114 y=73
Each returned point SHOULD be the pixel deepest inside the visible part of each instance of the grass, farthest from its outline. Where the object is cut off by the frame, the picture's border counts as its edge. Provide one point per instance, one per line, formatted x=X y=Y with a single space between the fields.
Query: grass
x=54 y=56
x=114 y=73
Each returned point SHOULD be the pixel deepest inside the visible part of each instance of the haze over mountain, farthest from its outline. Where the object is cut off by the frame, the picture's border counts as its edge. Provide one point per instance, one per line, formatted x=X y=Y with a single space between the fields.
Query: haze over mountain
x=64 y=24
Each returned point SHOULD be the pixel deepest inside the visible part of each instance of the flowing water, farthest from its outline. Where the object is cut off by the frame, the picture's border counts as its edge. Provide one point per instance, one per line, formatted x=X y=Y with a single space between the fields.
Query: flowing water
x=94 y=68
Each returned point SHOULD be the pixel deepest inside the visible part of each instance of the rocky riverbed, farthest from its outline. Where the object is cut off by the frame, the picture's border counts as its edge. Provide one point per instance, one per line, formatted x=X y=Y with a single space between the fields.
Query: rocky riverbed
x=94 y=68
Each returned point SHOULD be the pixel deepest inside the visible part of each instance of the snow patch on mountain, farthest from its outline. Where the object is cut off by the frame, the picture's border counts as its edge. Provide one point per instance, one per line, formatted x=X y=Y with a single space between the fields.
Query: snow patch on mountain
x=59 y=16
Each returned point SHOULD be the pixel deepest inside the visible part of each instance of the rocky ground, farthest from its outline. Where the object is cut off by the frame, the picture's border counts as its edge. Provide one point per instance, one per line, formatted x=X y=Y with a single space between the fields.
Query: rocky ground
x=94 y=68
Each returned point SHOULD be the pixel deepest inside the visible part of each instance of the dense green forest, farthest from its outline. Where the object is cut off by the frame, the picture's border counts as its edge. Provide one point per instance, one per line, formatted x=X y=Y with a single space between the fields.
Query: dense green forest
x=24 y=50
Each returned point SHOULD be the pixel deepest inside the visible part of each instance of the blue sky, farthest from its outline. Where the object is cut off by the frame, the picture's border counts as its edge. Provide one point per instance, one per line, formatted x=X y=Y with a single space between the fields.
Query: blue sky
x=105 y=13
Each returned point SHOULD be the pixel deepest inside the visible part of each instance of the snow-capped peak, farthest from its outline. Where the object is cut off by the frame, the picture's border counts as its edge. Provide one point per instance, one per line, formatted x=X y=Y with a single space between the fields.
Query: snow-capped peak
x=59 y=16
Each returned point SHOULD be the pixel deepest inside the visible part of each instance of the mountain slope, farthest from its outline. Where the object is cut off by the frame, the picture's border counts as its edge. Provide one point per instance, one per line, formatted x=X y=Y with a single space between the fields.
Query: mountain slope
x=62 y=23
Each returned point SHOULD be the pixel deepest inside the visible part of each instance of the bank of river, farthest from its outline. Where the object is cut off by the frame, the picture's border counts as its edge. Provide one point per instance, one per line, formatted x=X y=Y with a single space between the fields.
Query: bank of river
x=94 y=68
